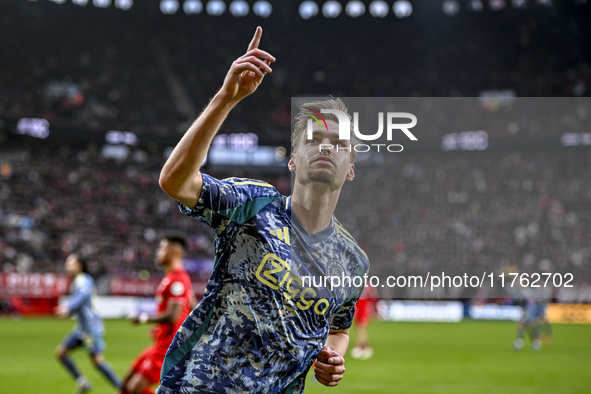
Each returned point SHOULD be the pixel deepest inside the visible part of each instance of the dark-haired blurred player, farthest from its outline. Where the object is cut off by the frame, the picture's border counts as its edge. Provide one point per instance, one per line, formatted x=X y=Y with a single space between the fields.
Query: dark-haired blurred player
x=89 y=331
x=174 y=301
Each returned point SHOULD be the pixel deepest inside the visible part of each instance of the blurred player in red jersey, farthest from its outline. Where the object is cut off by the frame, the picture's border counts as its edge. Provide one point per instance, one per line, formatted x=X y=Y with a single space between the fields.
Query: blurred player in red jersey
x=174 y=301
x=361 y=319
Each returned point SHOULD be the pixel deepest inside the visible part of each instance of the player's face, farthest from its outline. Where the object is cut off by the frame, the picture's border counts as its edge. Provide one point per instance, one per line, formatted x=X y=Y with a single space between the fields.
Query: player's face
x=164 y=252
x=72 y=266
x=330 y=165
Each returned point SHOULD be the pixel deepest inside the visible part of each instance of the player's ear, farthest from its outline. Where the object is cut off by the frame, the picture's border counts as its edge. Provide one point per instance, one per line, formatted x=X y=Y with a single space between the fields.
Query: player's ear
x=291 y=165
x=351 y=173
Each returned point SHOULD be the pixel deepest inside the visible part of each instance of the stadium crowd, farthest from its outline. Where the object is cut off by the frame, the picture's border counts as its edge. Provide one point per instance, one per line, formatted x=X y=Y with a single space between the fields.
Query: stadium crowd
x=480 y=210
x=473 y=212
x=55 y=200
x=153 y=82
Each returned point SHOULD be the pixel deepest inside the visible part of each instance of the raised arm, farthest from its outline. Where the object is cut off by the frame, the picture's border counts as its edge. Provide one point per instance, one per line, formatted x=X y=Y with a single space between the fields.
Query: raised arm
x=180 y=177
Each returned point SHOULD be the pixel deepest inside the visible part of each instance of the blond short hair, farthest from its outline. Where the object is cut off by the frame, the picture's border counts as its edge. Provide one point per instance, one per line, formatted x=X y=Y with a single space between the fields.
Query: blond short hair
x=301 y=122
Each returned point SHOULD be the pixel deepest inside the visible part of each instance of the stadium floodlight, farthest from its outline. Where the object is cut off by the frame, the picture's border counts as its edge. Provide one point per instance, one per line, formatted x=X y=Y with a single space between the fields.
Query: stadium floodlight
x=379 y=9
x=308 y=9
x=519 y=3
x=280 y=153
x=58 y=1
x=355 y=9
x=192 y=7
x=215 y=7
x=124 y=4
x=475 y=5
x=81 y=3
x=546 y=3
x=331 y=9
x=262 y=8
x=451 y=7
x=402 y=9
x=497 y=5
x=239 y=8
x=101 y=3
x=169 y=7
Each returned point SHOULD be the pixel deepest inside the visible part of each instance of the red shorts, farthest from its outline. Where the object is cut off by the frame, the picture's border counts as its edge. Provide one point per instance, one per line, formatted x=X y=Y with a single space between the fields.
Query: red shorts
x=363 y=312
x=149 y=362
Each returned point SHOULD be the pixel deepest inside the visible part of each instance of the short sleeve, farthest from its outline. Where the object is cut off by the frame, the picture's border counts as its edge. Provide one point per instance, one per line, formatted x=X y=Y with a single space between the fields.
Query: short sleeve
x=177 y=291
x=235 y=199
x=343 y=319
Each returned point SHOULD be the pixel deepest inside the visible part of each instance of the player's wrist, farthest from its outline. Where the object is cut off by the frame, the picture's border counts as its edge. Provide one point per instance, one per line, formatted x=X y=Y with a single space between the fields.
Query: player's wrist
x=224 y=99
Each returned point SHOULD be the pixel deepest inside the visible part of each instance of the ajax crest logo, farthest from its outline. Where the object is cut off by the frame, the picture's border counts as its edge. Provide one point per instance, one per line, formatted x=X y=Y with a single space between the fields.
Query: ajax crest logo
x=335 y=269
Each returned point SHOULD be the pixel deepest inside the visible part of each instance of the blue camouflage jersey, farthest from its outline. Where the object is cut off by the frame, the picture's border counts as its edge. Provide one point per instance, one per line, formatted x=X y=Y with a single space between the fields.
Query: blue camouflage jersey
x=265 y=314
x=82 y=305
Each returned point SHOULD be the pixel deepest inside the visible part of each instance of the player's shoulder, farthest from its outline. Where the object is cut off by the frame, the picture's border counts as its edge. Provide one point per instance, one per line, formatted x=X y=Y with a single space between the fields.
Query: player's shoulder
x=255 y=187
x=174 y=275
x=342 y=233
x=179 y=274
x=237 y=199
x=351 y=243
x=83 y=279
x=249 y=183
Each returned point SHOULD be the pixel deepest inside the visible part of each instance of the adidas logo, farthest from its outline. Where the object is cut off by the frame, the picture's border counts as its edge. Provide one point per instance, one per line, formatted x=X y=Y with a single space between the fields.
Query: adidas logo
x=282 y=234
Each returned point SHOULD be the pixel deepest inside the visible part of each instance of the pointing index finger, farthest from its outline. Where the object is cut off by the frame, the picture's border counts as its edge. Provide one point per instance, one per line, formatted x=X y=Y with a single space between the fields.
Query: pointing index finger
x=256 y=39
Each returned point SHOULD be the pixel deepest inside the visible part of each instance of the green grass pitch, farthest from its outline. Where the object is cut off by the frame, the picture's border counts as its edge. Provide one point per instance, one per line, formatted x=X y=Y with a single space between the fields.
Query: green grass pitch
x=468 y=357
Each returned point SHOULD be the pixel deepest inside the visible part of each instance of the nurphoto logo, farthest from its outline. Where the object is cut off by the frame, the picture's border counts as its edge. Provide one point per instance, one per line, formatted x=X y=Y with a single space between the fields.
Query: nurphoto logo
x=345 y=129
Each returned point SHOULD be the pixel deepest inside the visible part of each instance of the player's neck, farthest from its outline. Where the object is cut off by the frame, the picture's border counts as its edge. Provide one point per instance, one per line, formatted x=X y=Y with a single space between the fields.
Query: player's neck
x=173 y=266
x=314 y=207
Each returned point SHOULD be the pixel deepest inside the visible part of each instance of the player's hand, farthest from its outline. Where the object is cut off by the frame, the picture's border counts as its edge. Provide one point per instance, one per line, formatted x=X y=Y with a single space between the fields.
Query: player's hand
x=61 y=311
x=329 y=367
x=247 y=72
x=142 y=318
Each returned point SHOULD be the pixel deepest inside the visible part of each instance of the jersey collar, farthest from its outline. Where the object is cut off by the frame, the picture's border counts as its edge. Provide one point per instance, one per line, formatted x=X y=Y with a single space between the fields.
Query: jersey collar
x=301 y=230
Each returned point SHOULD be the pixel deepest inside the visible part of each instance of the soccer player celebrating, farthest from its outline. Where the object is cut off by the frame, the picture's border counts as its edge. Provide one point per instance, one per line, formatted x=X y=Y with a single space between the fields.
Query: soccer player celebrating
x=89 y=331
x=260 y=326
x=174 y=301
